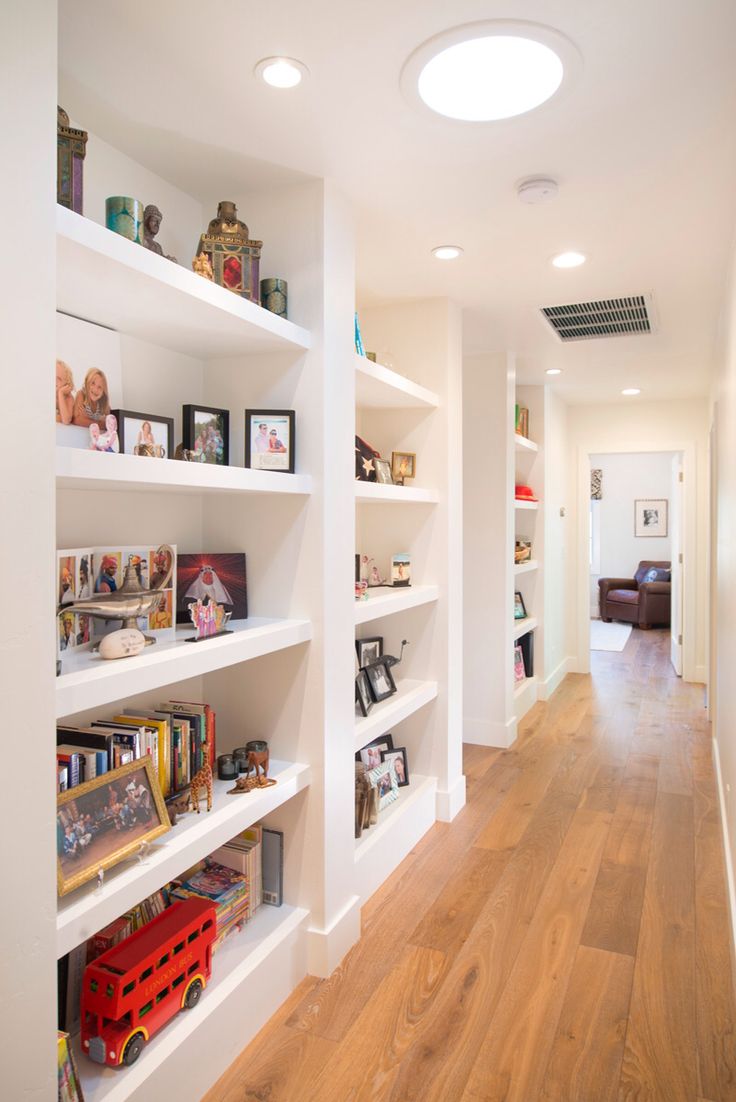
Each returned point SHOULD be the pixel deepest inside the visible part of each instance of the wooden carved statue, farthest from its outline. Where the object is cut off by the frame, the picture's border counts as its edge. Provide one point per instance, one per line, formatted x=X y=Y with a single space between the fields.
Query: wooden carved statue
x=258 y=760
x=201 y=780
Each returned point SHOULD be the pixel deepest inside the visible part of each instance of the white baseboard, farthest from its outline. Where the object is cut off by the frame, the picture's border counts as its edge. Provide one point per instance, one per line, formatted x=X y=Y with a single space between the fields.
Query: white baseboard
x=449 y=803
x=326 y=948
x=726 y=842
x=548 y=686
x=700 y=676
x=484 y=732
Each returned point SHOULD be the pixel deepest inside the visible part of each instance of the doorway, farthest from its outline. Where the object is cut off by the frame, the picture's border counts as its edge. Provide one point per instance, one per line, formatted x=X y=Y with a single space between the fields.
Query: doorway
x=635 y=533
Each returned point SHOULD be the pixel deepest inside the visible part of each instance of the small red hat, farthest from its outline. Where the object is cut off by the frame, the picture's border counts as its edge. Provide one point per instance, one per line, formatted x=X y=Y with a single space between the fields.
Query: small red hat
x=524 y=493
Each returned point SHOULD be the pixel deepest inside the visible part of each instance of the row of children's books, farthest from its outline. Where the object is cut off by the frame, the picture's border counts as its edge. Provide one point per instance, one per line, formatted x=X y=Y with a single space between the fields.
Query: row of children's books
x=179 y=736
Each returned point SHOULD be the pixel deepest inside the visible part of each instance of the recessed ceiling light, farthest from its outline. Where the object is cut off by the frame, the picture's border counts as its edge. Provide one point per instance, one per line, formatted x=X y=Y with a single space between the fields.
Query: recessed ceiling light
x=447 y=252
x=281 y=72
x=568 y=260
x=554 y=371
x=630 y=391
x=486 y=72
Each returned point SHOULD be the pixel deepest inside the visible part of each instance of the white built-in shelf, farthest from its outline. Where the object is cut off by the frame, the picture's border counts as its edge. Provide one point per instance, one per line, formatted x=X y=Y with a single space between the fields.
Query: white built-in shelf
x=526 y=567
x=84 y=911
x=525 y=695
x=107 y=279
x=524 y=445
x=521 y=627
x=88 y=681
x=383 y=846
x=525 y=504
x=238 y=961
x=384 y=601
x=409 y=698
x=77 y=469
x=370 y=493
x=378 y=387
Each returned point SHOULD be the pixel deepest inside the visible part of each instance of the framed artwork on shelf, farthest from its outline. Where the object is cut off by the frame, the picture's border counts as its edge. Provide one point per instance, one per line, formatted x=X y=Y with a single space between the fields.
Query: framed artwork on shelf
x=403 y=466
x=206 y=431
x=107 y=820
x=519 y=607
x=401 y=766
x=650 y=517
x=215 y=575
x=370 y=754
x=519 y=671
x=363 y=692
x=383 y=471
x=369 y=650
x=270 y=439
x=401 y=570
x=380 y=680
x=383 y=779
x=145 y=434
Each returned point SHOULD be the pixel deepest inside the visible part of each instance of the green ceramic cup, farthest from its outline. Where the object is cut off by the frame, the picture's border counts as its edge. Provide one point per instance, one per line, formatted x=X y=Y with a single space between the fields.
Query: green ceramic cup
x=124 y=215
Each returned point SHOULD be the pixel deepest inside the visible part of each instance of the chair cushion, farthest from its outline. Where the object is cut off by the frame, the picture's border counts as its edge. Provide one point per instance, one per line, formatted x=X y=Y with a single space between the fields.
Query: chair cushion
x=653 y=572
x=623 y=596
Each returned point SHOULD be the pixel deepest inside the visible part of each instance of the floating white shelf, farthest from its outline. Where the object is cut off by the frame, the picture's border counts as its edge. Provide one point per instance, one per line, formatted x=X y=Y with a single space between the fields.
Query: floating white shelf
x=409 y=698
x=524 y=445
x=526 y=504
x=109 y=280
x=400 y=826
x=88 y=681
x=77 y=469
x=525 y=695
x=526 y=567
x=384 y=601
x=378 y=387
x=521 y=627
x=243 y=959
x=85 y=911
x=369 y=493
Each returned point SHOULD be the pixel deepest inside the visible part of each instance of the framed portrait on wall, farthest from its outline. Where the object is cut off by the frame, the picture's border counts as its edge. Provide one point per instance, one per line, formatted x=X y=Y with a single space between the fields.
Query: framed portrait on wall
x=650 y=517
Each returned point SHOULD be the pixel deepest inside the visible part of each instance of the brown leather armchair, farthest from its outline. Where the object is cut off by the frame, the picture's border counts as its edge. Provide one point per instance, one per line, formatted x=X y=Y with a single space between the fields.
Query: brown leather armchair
x=638 y=600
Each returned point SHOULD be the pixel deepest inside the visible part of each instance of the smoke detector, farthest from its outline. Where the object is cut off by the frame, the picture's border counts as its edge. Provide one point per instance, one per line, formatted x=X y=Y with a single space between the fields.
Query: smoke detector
x=537 y=189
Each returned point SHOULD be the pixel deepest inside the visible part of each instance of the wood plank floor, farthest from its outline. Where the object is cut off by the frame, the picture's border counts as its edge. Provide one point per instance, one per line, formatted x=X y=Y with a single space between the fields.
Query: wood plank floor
x=566 y=939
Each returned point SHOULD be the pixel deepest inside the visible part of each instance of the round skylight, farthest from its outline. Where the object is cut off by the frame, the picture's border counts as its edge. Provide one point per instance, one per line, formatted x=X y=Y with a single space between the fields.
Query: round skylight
x=486 y=72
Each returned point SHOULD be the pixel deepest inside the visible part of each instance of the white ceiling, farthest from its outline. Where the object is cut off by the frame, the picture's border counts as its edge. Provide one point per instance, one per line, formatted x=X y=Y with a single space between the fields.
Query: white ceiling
x=643 y=146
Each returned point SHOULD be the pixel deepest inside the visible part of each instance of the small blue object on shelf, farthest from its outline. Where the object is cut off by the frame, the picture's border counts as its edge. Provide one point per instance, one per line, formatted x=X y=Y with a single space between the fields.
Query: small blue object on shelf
x=358 y=339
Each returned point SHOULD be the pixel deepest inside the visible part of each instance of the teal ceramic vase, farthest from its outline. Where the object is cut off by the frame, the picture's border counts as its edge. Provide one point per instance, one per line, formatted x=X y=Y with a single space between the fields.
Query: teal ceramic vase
x=273 y=296
x=124 y=215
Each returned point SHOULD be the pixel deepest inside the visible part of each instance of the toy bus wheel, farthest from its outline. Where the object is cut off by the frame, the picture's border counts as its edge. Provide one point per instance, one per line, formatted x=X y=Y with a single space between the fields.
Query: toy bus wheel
x=133 y=1049
x=193 y=994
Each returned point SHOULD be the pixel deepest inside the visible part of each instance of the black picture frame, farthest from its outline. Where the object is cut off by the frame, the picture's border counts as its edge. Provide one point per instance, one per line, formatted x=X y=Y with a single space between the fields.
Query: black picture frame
x=366 y=645
x=131 y=415
x=381 y=744
x=363 y=695
x=378 y=673
x=189 y=432
x=398 y=752
x=280 y=461
x=519 y=607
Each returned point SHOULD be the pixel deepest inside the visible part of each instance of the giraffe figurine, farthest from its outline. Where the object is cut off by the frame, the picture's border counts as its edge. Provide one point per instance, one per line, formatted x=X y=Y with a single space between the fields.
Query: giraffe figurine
x=200 y=780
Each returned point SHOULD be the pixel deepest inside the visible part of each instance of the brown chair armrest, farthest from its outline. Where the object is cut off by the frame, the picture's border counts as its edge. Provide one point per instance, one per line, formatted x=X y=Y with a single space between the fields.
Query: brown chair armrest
x=606 y=584
x=654 y=588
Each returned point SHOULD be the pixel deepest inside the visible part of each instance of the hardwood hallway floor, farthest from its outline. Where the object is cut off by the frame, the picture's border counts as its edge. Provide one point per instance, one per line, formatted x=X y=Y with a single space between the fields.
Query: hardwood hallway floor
x=566 y=939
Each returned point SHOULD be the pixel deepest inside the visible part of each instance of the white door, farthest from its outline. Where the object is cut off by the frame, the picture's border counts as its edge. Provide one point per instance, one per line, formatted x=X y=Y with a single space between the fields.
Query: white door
x=676 y=543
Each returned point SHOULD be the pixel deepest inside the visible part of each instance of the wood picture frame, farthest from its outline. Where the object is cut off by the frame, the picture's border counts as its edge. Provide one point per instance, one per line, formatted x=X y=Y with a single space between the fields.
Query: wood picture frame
x=206 y=431
x=107 y=820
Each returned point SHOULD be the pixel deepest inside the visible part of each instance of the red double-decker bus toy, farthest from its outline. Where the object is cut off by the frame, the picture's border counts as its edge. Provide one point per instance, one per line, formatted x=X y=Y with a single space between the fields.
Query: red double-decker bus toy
x=133 y=989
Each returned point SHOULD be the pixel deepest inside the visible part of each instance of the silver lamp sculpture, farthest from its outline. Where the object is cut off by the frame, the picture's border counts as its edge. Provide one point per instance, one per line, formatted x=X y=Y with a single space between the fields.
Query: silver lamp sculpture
x=130 y=601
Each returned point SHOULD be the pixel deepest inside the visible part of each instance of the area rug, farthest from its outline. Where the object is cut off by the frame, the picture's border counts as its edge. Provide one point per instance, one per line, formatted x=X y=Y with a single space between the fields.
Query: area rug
x=608 y=636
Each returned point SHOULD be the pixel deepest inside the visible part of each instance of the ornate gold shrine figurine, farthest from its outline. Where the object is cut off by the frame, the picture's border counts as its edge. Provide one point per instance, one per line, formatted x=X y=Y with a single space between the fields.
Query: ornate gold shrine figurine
x=233 y=256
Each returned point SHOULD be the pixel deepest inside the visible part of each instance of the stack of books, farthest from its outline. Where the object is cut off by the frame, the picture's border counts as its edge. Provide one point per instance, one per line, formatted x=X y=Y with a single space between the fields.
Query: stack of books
x=224 y=887
x=243 y=854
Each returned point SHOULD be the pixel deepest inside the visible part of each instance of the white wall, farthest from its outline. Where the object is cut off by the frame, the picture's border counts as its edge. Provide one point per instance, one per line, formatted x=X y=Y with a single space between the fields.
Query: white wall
x=558 y=542
x=723 y=682
x=637 y=426
x=27 y=301
x=628 y=477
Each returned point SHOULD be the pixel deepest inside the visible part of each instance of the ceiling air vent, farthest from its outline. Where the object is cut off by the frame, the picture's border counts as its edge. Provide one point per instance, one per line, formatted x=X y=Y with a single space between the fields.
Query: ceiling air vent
x=610 y=317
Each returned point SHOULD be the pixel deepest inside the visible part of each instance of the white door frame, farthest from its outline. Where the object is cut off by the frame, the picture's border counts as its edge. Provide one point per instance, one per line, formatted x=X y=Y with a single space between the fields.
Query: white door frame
x=581 y=663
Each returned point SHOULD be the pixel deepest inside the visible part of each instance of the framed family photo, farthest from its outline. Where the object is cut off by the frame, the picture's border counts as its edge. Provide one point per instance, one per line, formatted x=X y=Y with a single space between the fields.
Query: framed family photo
x=370 y=755
x=270 y=436
x=650 y=516
x=380 y=680
x=145 y=434
x=369 y=650
x=401 y=767
x=403 y=466
x=383 y=471
x=363 y=692
x=106 y=820
x=206 y=432
x=519 y=607
x=383 y=778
